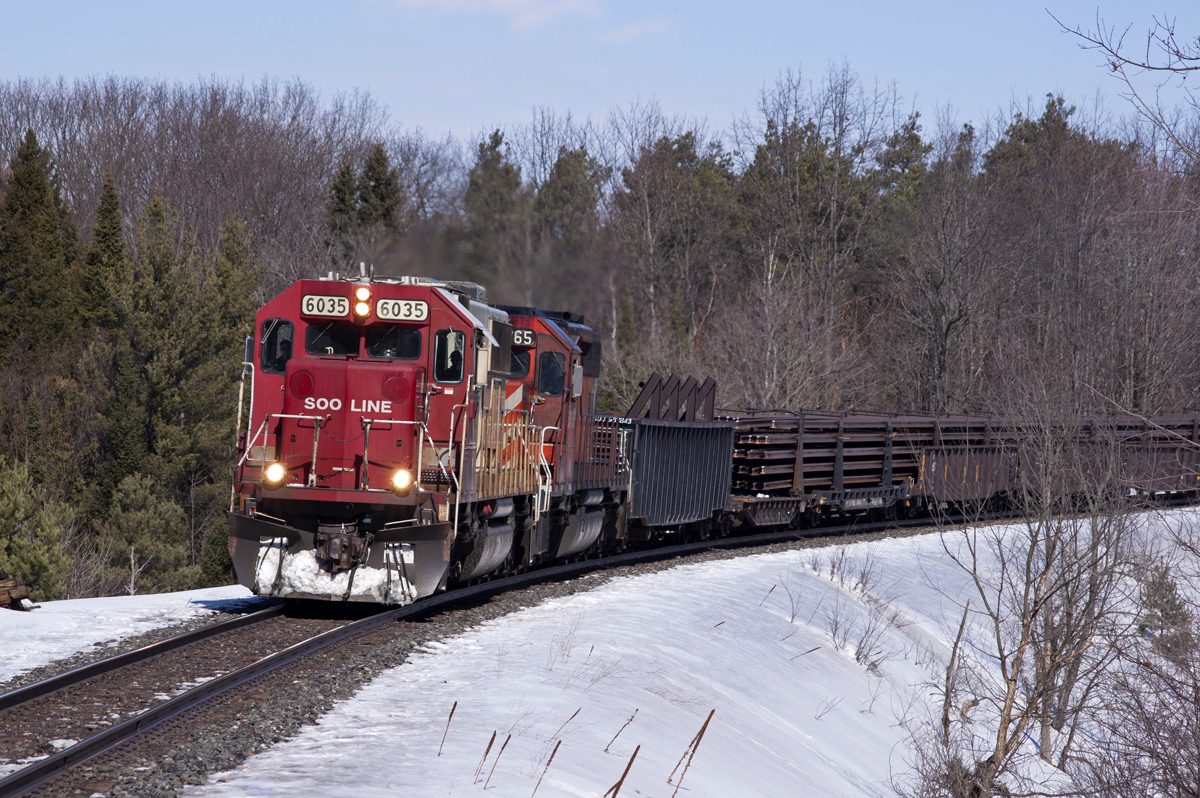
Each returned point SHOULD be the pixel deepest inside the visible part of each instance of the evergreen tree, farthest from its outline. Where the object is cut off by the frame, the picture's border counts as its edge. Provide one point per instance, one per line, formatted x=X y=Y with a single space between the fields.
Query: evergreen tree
x=104 y=269
x=31 y=533
x=903 y=163
x=189 y=315
x=675 y=219
x=566 y=205
x=126 y=424
x=1165 y=614
x=342 y=206
x=37 y=252
x=379 y=198
x=147 y=535
x=496 y=206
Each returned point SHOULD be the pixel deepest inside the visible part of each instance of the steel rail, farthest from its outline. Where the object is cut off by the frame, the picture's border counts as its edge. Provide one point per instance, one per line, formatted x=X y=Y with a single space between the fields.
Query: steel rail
x=39 y=773
x=81 y=674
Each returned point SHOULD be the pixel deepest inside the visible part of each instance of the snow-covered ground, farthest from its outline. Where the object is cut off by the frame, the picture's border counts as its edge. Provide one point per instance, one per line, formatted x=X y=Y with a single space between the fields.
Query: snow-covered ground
x=752 y=638
x=817 y=664
x=58 y=629
x=814 y=662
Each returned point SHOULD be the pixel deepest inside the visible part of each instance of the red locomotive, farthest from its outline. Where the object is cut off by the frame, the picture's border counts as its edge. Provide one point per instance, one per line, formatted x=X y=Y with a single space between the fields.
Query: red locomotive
x=404 y=434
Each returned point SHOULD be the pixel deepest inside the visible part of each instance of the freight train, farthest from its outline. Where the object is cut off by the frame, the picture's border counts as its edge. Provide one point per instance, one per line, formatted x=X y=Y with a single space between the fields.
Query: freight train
x=403 y=436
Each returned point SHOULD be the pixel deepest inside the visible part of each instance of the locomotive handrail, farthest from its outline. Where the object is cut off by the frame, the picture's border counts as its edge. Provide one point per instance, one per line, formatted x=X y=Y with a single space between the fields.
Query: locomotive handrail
x=366 y=449
x=461 y=453
x=263 y=425
x=544 y=493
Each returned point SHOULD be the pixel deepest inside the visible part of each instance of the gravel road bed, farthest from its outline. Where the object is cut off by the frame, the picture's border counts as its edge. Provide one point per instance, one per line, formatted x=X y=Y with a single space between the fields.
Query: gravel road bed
x=220 y=734
x=77 y=712
x=103 y=649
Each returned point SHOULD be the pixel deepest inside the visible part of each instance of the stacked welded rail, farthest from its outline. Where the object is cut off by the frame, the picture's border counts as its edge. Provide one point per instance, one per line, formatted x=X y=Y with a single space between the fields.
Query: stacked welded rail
x=838 y=456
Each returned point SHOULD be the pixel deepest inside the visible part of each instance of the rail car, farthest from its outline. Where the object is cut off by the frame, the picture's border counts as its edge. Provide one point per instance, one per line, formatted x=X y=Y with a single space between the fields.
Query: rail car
x=403 y=435
x=798 y=468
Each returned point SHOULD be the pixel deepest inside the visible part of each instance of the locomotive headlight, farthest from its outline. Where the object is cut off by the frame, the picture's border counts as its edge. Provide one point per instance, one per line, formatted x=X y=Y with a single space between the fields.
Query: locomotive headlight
x=362 y=293
x=275 y=474
x=362 y=309
x=402 y=482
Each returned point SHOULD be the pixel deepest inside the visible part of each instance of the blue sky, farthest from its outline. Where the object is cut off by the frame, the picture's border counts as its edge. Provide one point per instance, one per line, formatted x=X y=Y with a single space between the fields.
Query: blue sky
x=464 y=65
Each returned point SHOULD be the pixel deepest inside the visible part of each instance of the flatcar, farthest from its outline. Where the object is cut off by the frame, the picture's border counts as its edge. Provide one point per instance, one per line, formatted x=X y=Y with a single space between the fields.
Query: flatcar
x=403 y=436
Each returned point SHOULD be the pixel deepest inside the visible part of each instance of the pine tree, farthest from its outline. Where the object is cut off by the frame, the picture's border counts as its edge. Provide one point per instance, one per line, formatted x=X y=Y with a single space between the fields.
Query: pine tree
x=37 y=252
x=104 y=269
x=565 y=207
x=342 y=207
x=31 y=532
x=189 y=315
x=147 y=534
x=495 y=204
x=379 y=192
x=126 y=424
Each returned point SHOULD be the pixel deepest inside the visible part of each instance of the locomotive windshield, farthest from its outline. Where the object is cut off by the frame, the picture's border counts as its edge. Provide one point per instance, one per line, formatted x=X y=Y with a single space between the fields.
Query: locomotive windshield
x=520 y=363
x=393 y=341
x=276 y=345
x=331 y=339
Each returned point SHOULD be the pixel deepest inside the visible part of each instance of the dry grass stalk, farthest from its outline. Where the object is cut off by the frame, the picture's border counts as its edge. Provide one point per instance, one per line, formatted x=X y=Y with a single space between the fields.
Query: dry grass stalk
x=806 y=653
x=552 y=753
x=447 y=731
x=769 y=592
x=497 y=762
x=691 y=746
x=560 y=728
x=695 y=746
x=616 y=788
x=485 y=756
x=618 y=734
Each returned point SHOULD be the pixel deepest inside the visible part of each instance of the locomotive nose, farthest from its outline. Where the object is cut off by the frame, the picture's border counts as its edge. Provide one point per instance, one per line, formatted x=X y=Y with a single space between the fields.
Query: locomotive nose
x=350 y=424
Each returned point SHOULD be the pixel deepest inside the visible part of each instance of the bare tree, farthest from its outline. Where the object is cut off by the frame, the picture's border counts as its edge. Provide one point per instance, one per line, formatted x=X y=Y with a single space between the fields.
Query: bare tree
x=940 y=282
x=1166 y=62
x=1147 y=730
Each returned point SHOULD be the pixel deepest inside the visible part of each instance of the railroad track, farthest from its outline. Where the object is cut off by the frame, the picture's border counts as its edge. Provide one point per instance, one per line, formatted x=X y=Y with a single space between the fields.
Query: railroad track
x=239 y=637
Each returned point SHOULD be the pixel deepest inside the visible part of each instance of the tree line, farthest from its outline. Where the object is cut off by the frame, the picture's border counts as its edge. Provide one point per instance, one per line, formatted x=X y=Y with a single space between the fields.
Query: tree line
x=828 y=250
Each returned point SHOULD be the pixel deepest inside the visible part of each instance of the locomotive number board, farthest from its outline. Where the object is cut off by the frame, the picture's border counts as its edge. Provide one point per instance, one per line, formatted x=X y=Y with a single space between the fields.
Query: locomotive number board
x=319 y=305
x=523 y=337
x=402 y=310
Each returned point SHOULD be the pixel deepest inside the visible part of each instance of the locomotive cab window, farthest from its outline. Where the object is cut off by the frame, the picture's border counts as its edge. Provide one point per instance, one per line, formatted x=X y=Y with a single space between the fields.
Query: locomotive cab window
x=520 y=363
x=277 y=335
x=394 y=342
x=449 y=350
x=552 y=373
x=331 y=339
